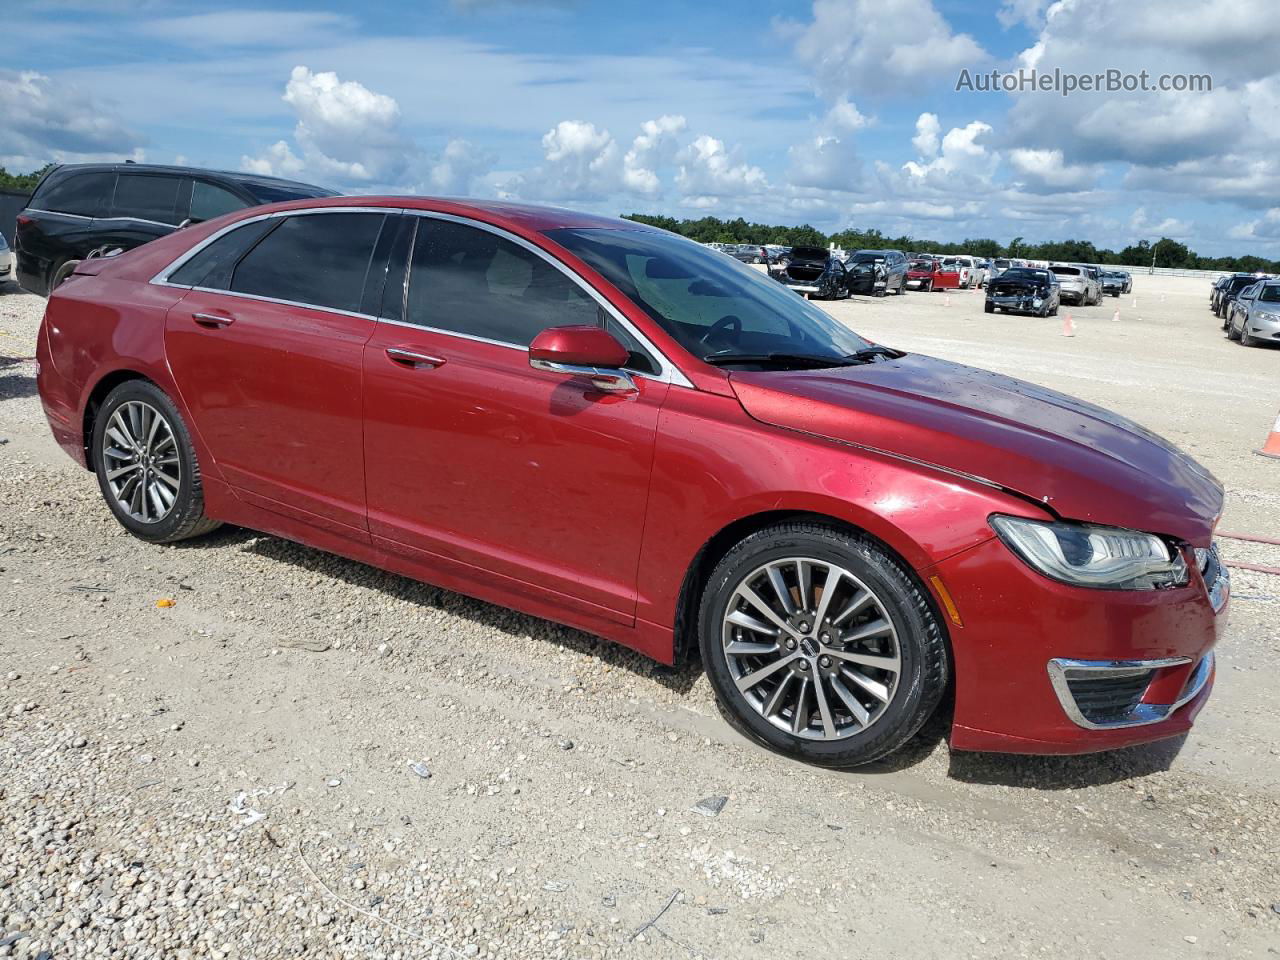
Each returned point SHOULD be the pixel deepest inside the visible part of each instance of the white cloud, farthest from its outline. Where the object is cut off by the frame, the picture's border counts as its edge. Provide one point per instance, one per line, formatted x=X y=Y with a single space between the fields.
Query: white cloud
x=844 y=115
x=653 y=147
x=1140 y=225
x=455 y=173
x=926 y=138
x=866 y=46
x=707 y=169
x=1029 y=12
x=42 y=119
x=1046 y=171
x=960 y=155
x=248 y=28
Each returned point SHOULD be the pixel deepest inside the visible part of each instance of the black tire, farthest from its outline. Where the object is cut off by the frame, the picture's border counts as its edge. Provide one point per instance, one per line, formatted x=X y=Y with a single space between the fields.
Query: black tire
x=1246 y=338
x=1231 y=329
x=988 y=307
x=186 y=517
x=922 y=647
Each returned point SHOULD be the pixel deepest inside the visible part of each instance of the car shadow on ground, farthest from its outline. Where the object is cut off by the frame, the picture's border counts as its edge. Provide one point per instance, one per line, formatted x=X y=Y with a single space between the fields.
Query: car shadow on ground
x=995 y=769
x=1065 y=772
x=17 y=378
x=679 y=679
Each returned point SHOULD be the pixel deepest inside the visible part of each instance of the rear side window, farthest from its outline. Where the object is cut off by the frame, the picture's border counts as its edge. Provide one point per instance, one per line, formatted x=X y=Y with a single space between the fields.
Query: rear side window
x=84 y=194
x=318 y=259
x=147 y=198
x=212 y=266
x=209 y=201
x=473 y=282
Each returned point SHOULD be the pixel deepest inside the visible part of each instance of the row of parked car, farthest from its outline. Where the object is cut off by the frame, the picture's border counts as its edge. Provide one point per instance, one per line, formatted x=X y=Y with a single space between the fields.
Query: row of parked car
x=1249 y=306
x=1011 y=284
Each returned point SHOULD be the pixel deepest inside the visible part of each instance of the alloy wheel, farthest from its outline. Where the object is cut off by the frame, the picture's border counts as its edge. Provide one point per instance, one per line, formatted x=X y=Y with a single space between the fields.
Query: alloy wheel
x=811 y=648
x=140 y=461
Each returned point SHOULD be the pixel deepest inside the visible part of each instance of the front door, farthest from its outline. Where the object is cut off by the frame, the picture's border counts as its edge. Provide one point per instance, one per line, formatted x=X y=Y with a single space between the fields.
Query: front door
x=475 y=457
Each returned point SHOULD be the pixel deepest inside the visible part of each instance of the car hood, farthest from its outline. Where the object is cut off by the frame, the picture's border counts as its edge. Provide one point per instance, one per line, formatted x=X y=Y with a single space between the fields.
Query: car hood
x=1080 y=461
x=1015 y=283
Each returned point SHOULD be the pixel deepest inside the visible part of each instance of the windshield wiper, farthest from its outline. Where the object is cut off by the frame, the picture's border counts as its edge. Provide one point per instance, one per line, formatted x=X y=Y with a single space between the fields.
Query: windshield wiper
x=726 y=357
x=869 y=354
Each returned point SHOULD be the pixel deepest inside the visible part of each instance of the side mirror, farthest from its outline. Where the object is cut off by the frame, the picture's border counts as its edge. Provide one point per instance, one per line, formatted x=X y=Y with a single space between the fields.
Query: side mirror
x=583 y=351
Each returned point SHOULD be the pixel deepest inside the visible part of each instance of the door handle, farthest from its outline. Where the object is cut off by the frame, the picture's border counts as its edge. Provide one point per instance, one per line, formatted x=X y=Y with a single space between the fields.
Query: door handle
x=410 y=358
x=212 y=320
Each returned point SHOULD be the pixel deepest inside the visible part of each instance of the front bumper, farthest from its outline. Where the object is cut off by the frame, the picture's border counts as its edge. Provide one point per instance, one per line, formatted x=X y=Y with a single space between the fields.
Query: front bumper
x=1263 y=329
x=1027 y=302
x=1025 y=639
x=867 y=283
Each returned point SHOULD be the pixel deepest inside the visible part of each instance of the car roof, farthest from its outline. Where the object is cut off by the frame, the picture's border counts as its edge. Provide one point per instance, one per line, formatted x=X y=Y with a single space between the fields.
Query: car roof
x=239 y=176
x=522 y=217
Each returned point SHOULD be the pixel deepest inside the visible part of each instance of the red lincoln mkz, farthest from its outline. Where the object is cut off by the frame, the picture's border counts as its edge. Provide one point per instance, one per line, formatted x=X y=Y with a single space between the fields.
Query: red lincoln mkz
x=615 y=428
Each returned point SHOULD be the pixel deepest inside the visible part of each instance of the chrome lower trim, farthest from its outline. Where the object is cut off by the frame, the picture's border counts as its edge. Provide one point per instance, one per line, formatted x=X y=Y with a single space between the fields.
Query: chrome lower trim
x=1144 y=714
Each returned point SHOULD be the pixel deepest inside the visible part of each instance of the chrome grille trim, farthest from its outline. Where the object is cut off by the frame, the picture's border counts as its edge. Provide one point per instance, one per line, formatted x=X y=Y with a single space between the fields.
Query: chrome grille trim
x=1062 y=671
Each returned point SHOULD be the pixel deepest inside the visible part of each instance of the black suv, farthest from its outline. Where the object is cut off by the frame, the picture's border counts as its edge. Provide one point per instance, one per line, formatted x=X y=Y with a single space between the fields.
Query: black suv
x=877 y=271
x=83 y=210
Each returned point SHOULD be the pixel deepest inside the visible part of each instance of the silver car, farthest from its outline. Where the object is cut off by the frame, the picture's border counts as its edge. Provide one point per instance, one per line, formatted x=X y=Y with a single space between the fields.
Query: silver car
x=1077 y=287
x=6 y=260
x=1255 y=314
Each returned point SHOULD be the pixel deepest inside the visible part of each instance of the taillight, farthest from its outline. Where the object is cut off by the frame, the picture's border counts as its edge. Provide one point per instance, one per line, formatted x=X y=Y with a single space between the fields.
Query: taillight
x=24 y=221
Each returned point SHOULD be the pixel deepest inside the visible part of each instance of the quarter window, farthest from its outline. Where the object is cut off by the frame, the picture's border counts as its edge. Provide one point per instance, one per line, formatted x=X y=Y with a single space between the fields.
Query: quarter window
x=85 y=194
x=209 y=201
x=474 y=282
x=212 y=266
x=147 y=198
x=319 y=259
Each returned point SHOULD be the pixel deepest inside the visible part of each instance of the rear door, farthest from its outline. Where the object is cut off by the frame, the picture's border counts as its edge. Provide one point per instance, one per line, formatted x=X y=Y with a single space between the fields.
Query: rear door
x=266 y=350
x=144 y=207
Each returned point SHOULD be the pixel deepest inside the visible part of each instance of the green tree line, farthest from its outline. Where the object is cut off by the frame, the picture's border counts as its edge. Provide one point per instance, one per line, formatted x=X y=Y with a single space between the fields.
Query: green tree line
x=1167 y=252
x=21 y=181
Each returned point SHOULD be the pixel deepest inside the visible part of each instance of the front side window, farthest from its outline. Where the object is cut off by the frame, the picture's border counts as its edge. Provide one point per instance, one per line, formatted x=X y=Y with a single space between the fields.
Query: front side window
x=709 y=304
x=317 y=259
x=83 y=194
x=147 y=197
x=470 y=281
x=209 y=201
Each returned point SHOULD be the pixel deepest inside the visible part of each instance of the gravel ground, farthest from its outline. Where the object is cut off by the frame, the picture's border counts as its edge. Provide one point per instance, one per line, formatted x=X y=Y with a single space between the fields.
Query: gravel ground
x=303 y=756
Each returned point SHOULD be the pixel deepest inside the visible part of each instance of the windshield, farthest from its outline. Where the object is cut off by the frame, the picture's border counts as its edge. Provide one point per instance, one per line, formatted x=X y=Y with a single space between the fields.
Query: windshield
x=708 y=304
x=866 y=256
x=1022 y=273
x=1066 y=271
x=1241 y=282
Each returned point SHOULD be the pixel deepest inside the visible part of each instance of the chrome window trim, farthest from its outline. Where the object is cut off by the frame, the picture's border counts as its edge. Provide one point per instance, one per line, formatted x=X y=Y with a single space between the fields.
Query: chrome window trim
x=668 y=372
x=1144 y=714
x=59 y=213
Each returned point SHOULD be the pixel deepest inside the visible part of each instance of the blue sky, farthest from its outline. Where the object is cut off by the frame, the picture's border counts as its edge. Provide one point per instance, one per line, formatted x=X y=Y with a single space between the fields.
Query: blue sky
x=838 y=113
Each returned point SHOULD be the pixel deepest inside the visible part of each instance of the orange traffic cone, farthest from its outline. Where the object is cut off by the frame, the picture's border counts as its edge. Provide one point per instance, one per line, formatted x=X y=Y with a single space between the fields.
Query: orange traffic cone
x=1271 y=446
x=946 y=299
x=1068 y=326
x=1115 y=317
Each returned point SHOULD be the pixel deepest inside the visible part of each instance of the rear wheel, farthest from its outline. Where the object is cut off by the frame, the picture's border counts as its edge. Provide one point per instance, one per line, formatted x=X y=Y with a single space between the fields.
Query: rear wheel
x=58 y=276
x=146 y=465
x=820 y=645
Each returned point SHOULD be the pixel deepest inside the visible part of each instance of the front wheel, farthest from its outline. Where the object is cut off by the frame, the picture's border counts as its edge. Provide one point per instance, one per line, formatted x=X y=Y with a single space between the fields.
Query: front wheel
x=1246 y=338
x=146 y=465
x=820 y=645
x=988 y=307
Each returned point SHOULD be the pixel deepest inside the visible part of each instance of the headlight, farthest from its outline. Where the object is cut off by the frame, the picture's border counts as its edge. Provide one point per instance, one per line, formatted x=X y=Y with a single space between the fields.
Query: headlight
x=1268 y=316
x=1105 y=558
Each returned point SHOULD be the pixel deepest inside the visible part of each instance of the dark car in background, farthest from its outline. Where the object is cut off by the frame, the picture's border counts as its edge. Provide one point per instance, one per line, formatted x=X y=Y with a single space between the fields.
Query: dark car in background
x=1024 y=290
x=814 y=272
x=79 y=211
x=750 y=253
x=877 y=272
x=1227 y=294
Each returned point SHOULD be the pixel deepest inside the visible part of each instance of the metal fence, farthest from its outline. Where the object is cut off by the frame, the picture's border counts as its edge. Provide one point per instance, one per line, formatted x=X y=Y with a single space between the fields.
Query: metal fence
x=11 y=202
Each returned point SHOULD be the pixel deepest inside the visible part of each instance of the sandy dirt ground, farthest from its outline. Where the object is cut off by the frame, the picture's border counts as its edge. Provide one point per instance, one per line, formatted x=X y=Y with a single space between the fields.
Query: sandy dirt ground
x=230 y=776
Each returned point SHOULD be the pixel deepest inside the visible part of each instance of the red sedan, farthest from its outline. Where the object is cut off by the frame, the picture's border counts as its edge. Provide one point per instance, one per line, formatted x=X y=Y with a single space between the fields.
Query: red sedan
x=610 y=426
x=929 y=274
